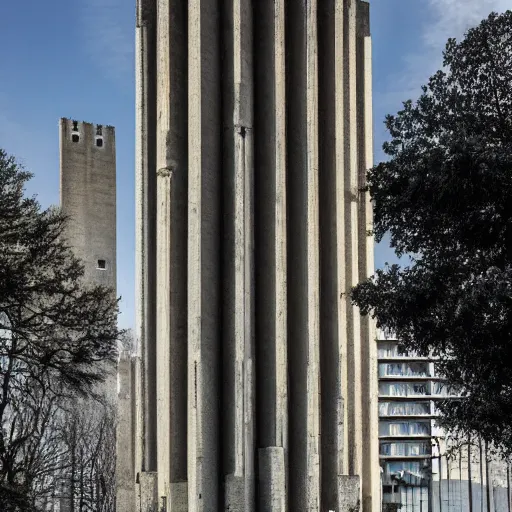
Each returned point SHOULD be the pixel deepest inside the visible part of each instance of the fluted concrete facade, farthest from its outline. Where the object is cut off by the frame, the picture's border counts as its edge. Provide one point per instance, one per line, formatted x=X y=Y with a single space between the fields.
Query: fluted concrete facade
x=258 y=387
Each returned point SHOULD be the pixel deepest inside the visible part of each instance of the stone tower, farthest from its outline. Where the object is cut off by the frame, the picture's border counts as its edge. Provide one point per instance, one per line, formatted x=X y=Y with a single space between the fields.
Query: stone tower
x=88 y=196
x=257 y=385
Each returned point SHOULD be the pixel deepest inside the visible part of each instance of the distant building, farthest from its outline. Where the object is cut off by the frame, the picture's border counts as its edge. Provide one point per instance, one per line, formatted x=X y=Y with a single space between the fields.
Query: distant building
x=422 y=467
x=88 y=196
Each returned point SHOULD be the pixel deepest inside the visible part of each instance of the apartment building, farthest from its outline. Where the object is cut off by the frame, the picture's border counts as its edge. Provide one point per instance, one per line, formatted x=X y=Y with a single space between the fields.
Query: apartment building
x=423 y=468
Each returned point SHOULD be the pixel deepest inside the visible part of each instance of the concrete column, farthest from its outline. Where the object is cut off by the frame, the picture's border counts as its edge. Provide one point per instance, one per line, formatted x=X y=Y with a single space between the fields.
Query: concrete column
x=140 y=215
x=273 y=472
x=145 y=239
x=332 y=221
x=354 y=397
x=370 y=475
x=171 y=245
x=270 y=255
x=238 y=277
x=147 y=492
x=138 y=417
x=204 y=150
x=303 y=256
x=349 y=498
x=125 y=478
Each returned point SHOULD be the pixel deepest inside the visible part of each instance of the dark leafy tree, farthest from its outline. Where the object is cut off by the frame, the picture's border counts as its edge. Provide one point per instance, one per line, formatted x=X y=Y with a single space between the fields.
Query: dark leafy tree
x=445 y=197
x=56 y=334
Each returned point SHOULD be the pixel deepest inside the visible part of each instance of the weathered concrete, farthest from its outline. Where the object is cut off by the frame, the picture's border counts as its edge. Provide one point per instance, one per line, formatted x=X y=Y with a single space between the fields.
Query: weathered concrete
x=263 y=135
x=171 y=245
x=145 y=236
x=88 y=197
x=234 y=494
x=370 y=483
x=303 y=256
x=179 y=497
x=238 y=266
x=204 y=189
x=333 y=319
x=125 y=445
x=271 y=243
x=352 y=234
x=349 y=494
x=147 y=492
x=272 y=480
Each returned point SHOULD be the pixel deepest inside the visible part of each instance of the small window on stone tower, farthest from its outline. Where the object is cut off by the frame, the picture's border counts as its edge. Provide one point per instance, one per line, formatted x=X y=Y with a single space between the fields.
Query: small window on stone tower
x=99 y=130
x=99 y=142
x=75 y=137
x=75 y=126
x=102 y=265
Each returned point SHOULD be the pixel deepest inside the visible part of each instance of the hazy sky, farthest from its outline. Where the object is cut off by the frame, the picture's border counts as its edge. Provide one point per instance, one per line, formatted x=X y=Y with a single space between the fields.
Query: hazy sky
x=75 y=59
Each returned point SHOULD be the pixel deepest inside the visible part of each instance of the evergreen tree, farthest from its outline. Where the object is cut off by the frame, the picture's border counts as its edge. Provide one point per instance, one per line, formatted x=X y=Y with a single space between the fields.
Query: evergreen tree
x=56 y=335
x=445 y=197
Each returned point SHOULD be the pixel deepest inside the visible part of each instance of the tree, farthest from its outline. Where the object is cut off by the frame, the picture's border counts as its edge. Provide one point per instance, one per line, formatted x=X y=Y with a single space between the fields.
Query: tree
x=56 y=334
x=444 y=196
x=90 y=442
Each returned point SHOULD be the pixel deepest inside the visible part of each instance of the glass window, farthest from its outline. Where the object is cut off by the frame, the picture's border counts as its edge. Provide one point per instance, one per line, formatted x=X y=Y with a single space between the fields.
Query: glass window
x=404 y=408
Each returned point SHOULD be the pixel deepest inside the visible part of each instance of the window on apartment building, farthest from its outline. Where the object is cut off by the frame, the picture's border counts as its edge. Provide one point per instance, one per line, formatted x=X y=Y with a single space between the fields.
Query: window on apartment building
x=405 y=449
x=403 y=388
x=404 y=408
x=404 y=428
x=411 y=369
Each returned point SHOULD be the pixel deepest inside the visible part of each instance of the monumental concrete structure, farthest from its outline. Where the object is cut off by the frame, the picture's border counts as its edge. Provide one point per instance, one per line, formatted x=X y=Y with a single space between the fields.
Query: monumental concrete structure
x=257 y=386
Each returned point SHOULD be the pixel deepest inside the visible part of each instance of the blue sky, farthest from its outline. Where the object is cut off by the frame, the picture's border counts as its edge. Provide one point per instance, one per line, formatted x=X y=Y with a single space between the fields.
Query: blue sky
x=75 y=59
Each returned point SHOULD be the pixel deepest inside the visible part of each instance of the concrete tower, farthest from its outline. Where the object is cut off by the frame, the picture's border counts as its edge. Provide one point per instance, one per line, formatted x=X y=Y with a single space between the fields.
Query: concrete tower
x=257 y=387
x=88 y=196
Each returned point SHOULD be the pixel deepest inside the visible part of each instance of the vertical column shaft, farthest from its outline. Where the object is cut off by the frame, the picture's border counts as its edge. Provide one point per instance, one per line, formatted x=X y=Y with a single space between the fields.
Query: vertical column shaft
x=146 y=227
x=125 y=496
x=351 y=240
x=332 y=237
x=238 y=330
x=303 y=256
x=140 y=214
x=203 y=254
x=270 y=251
x=370 y=476
x=171 y=244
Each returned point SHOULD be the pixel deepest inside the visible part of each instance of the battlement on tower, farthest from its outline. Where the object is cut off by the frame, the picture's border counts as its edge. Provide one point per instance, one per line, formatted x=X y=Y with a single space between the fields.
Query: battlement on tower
x=84 y=134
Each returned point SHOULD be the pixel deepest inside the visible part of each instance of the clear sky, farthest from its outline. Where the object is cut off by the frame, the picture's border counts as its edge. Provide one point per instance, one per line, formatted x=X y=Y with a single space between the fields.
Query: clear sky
x=60 y=58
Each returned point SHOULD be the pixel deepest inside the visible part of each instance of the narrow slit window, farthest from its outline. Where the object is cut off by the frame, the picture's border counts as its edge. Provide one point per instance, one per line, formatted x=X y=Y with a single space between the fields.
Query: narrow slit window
x=102 y=264
x=75 y=137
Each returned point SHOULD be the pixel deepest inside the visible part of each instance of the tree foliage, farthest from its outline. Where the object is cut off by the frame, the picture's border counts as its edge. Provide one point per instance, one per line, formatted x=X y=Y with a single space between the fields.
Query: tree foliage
x=444 y=196
x=56 y=335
